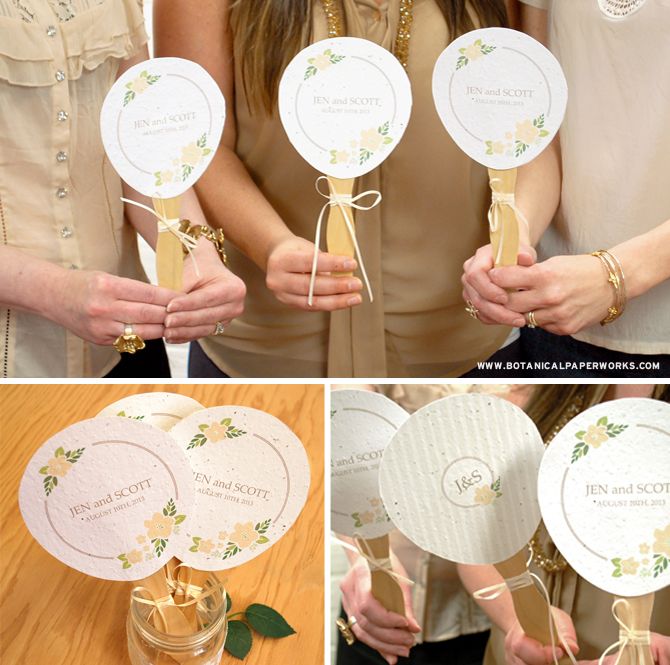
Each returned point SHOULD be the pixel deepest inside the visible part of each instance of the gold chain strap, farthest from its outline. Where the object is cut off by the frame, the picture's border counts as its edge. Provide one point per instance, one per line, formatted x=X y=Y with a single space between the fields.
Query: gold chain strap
x=401 y=50
x=557 y=564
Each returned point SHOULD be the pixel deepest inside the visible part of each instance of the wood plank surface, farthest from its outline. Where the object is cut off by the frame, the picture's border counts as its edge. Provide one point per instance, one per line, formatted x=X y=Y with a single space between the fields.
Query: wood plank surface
x=52 y=614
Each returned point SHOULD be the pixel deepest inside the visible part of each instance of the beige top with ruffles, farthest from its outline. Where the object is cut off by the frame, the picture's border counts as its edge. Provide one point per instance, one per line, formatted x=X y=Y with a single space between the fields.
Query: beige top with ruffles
x=432 y=218
x=59 y=196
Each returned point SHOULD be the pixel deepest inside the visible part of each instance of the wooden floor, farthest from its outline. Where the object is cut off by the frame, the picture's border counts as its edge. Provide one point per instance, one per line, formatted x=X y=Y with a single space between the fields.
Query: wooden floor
x=52 y=614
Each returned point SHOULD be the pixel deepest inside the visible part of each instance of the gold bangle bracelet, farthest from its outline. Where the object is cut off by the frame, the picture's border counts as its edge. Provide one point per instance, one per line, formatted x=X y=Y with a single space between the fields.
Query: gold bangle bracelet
x=615 y=277
x=215 y=236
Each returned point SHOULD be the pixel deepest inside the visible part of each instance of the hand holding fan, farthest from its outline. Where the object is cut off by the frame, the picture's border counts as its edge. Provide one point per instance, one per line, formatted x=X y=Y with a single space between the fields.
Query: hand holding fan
x=344 y=104
x=501 y=95
x=161 y=124
x=604 y=488
x=459 y=479
x=362 y=425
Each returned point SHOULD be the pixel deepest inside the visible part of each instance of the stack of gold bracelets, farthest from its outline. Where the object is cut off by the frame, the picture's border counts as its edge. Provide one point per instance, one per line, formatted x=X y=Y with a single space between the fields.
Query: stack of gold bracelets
x=215 y=236
x=616 y=278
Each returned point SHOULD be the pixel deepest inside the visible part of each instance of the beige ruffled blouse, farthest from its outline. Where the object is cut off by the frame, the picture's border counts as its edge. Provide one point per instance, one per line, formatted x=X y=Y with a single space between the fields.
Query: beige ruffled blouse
x=59 y=196
x=432 y=218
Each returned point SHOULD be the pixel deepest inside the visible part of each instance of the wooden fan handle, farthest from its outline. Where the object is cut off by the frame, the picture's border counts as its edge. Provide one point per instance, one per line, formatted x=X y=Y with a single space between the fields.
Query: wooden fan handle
x=505 y=240
x=636 y=614
x=338 y=239
x=385 y=588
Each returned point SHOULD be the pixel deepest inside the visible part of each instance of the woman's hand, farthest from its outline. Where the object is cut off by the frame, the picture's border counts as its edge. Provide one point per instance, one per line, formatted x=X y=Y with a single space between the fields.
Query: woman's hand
x=490 y=299
x=96 y=306
x=389 y=633
x=289 y=267
x=566 y=293
x=660 y=652
x=217 y=295
x=523 y=650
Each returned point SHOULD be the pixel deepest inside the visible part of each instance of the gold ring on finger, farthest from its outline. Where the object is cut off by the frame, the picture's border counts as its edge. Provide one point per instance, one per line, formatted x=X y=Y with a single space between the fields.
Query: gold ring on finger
x=346 y=632
x=128 y=341
x=531 y=321
x=472 y=310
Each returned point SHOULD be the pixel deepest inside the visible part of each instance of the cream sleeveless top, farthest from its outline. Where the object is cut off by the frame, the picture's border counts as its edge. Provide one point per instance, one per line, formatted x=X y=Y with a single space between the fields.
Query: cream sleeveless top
x=59 y=196
x=432 y=218
x=615 y=142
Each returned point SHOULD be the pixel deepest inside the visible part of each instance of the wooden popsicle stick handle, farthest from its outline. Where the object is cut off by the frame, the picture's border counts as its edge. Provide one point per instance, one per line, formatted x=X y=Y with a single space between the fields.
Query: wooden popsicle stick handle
x=169 y=250
x=338 y=239
x=384 y=587
x=636 y=614
x=530 y=604
x=504 y=239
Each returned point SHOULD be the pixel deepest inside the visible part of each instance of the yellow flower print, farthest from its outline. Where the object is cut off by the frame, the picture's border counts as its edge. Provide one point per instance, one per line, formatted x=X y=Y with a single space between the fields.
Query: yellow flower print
x=484 y=495
x=644 y=548
x=243 y=535
x=141 y=539
x=595 y=435
x=135 y=556
x=216 y=432
x=191 y=154
x=205 y=546
x=498 y=147
x=367 y=517
x=375 y=502
x=629 y=566
x=223 y=535
x=159 y=526
x=139 y=85
x=341 y=157
x=526 y=132
x=371 y=139
x=321 y=61
x=473 y=52
x=58 y=466
x=662 y=542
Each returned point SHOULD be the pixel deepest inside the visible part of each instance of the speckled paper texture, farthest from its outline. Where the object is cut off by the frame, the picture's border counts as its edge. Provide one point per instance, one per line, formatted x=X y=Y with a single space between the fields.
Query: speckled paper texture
x=108 y=497
x=362 y=424
x=501 y=95
x=251 y=477
x=459 y=478
x=604 y=489
x=162 y=410
x=161 y=123
x=345 y=104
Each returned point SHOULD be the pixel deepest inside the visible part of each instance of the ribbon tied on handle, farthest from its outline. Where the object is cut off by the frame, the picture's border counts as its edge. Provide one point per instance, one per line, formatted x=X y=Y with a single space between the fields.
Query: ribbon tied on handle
x=342 y=202
x=168 y=225
x=502 y=201
x=628 y=637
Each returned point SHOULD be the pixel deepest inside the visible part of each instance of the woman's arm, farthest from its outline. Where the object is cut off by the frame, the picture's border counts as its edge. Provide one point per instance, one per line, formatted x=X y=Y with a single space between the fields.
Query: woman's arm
x=199 y=30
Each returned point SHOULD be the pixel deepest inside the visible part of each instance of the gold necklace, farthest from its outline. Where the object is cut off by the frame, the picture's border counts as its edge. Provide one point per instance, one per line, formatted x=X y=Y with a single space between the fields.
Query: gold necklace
x=556 y=564
x=401 y=49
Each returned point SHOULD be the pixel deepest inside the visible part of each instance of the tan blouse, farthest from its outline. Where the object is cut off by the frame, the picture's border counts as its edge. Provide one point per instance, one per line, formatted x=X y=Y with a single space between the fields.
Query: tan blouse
x=432 y=218
x=615 y=142
x=59 y=196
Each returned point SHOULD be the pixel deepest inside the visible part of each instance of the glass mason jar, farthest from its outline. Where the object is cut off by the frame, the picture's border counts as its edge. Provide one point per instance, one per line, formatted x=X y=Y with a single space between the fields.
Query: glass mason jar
x=149 y=646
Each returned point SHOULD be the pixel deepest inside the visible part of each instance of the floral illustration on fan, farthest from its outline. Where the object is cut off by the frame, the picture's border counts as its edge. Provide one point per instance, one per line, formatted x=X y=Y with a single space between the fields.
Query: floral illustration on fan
x=182 y=167
x=359 y=151
x=322 y=62
x=59 y=466
x=215 y=432
x=245 y=535
x=594 y=436
x=138 y=85
x=485 y=495
x=651 y=560
x=158 y=530
x=473 y=52
x=527 y=133
x=374 y=513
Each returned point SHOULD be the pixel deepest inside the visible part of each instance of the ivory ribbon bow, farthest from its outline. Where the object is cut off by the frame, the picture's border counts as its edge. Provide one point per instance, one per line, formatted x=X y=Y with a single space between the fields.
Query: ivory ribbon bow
x=627 y=637
x=340 y=200
x=171 y=225
x=383 y=565
x=499 y=199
